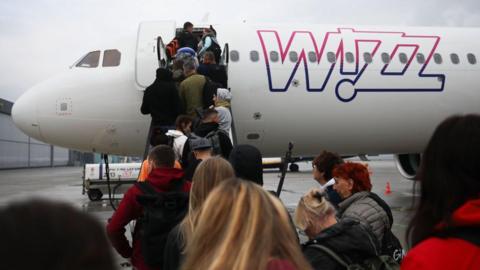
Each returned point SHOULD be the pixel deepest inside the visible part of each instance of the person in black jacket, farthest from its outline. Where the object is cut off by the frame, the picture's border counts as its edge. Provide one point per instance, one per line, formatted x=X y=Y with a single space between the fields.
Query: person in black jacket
x=211 y=69
x=186 y=38
x=161 y=101
x=347 y=238
x=209 y=128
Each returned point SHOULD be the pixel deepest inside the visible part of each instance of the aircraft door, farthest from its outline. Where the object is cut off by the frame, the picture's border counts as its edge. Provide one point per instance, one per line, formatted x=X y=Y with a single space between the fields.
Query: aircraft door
x=150 y=53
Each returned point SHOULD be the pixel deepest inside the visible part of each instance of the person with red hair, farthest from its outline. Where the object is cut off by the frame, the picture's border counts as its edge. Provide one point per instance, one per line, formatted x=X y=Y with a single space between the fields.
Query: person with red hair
x=352 y=183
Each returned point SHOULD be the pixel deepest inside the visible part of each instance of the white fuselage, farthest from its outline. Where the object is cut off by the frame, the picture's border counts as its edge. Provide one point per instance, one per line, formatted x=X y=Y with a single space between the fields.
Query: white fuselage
x=340 y=101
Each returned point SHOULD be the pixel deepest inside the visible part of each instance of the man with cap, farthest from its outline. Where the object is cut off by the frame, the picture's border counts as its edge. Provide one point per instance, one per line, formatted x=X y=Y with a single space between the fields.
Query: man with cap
x=202 y=150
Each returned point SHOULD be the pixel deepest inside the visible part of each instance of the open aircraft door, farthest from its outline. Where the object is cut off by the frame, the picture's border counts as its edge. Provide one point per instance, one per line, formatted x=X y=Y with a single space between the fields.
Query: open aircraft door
x=150 y=55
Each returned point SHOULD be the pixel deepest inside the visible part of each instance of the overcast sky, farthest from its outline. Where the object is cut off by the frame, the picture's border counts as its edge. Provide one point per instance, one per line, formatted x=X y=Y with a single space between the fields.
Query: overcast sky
x=39 y=38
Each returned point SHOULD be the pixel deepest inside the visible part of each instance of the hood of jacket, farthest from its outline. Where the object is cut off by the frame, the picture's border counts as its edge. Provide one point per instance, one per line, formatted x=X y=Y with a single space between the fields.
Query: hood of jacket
x=468 y=215
x=247 y=163
x=174 y=133
x=204 y=128
x=350 y=238
x=164 y=75
x=163 y=178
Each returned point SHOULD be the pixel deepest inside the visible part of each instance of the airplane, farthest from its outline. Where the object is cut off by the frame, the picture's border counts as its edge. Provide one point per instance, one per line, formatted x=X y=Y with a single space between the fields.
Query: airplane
x=355 y=90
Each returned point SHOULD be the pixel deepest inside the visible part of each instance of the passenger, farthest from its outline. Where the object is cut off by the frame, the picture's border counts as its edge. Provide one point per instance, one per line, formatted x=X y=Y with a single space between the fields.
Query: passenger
x=350 y=240
x=180 y=135
x=246 y=160
x=191 y=89
x=323 y=166
x=444 y=232
x=161 y=101
x=352 y=183
x=39 y=234
x=187 y=51
x=209 y=43
x=177 y=72
x=209 y=128
x=186 y=38
x=208 y=175
x=202 y=150
x=242 y=226
x=222 y=106
x=162 y=176
x=211 y=69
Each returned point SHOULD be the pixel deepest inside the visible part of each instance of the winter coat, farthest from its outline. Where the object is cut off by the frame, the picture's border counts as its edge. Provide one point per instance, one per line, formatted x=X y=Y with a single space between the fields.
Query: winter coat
x=366 y=210
x=179 y=140
x=187 y=39
x=161 y=100
x=191 y=93
x=215 y=72
x=450 y=252
x=225 y=118
x=129 y=210
x=246 y=160
x=348 y=238
x=173 y=255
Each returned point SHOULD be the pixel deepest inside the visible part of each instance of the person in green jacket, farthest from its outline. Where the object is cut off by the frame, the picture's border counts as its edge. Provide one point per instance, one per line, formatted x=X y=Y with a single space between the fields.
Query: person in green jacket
x=191 y=89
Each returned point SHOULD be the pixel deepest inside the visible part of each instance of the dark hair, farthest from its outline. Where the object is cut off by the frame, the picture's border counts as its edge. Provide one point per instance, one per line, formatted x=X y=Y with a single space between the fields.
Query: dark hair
x=246 y=160
x=39 y=234
x=449 y=175
x=162 y=156
x=209 y=113
x=209 y=55
x=357 y=172
x=181 y=121
x=187 y=25
x=325 y=163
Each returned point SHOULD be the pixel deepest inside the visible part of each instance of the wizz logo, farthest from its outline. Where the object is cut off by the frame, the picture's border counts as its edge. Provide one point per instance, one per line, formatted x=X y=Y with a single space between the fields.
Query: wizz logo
x=353 y=54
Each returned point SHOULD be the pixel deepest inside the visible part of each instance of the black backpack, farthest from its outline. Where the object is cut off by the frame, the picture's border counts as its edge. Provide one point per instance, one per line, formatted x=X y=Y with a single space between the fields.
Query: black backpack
x=209 y=90
x=162 y=211
x=381 y=262
x=391 y=246
x=216 y=50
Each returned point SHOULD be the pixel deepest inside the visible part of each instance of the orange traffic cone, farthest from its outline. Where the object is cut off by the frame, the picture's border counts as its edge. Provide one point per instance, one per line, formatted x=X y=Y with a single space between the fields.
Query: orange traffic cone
x=388 y=189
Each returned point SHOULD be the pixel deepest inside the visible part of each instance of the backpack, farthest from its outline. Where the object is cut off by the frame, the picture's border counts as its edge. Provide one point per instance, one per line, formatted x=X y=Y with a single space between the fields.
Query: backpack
x=391 y=246
x=381 y=262
x=162 y=211
x=171 y=48
x=214 y=137
x=209 y=90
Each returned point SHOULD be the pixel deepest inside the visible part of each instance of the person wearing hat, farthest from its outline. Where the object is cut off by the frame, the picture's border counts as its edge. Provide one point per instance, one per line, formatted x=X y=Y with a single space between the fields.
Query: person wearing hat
x=222 y=106
x=202 y=150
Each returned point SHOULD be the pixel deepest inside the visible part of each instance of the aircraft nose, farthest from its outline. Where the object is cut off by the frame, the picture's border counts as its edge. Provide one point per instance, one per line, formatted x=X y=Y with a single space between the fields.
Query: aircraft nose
x=24 y=114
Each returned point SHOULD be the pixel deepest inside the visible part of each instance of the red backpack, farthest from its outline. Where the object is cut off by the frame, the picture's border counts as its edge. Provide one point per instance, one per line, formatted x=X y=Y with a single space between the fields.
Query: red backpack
x=171 y=48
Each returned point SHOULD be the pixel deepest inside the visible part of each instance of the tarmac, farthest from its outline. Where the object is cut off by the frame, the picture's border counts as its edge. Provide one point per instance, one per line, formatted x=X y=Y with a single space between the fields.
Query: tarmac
x=65 y=184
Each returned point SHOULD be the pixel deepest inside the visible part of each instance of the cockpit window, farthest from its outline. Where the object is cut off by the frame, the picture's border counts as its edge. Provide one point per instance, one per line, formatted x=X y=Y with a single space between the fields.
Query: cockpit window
x=111 y=58
x=90 y=60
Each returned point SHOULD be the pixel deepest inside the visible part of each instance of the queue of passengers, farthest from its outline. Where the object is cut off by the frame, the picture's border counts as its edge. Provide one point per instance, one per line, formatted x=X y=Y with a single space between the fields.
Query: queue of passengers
x=228 y=221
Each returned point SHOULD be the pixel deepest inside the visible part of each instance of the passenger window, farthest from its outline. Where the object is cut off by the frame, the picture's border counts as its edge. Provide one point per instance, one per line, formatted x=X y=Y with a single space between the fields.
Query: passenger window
x=471 y=58
x=420 y=58
x=349 y=57
x=90 y=60
x=274 y=56
x=293 y=56
x=331 y=57
x=235 y=56
x=312 y=57
x=254 y=56
x=111 y=58
x=455 y=59
x=403 y=58
x=437 y=58
x=385 y=58
x=367 y=57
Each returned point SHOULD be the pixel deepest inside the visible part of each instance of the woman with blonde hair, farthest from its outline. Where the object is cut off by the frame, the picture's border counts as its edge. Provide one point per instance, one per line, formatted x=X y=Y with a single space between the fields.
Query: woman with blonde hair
x=348 y=239
x=209 y=174
x=241 y=226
